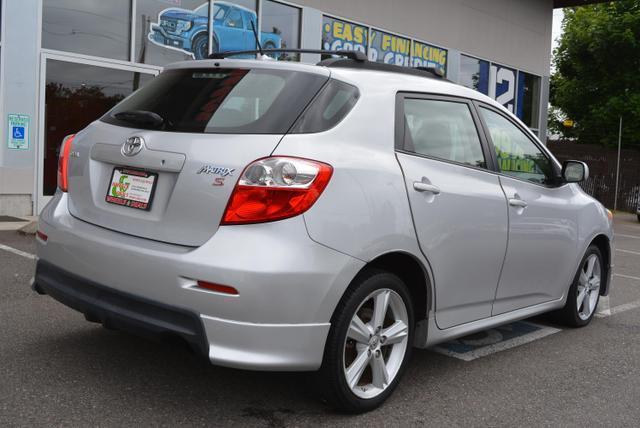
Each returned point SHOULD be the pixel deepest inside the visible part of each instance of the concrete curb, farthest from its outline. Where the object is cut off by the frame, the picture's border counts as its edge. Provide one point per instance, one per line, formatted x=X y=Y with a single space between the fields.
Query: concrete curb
x=29 y=228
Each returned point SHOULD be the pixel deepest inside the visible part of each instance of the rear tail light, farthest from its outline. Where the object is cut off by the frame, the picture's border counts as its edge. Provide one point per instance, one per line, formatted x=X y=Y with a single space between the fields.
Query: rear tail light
x=276 y=188
x=63 y=162
x=41 y=235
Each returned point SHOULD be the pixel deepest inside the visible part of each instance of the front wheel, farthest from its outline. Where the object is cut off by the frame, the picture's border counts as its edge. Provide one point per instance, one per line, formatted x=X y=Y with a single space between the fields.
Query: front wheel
x=584 y=293
x=369 y=343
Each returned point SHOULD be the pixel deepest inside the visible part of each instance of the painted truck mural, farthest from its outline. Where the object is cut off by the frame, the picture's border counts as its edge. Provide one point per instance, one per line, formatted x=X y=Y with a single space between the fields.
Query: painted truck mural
x=186 y=30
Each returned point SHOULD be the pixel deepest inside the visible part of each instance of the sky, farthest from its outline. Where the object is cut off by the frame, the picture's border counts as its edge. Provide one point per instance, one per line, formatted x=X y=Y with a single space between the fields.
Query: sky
x=556 y=31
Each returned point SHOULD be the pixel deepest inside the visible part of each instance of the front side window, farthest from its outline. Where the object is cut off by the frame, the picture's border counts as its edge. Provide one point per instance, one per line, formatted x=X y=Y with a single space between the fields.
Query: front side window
x=442 y=129
x=517 y=155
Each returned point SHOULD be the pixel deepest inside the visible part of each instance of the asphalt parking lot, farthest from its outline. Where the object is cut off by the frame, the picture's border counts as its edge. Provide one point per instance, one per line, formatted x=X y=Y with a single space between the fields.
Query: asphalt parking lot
x=57 y=369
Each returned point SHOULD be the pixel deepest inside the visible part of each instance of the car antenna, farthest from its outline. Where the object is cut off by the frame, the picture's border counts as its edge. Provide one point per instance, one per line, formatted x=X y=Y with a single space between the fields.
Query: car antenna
x=255 y=35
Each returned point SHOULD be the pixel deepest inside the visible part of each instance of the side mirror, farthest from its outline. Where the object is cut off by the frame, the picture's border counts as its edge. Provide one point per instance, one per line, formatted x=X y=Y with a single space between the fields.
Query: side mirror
x=574 y=171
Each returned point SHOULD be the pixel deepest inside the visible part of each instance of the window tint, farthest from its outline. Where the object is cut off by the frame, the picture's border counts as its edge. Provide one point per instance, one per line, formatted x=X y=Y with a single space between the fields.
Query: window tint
x=442 y=129
x=517 y=155
x=242 y=101
x=331 y=105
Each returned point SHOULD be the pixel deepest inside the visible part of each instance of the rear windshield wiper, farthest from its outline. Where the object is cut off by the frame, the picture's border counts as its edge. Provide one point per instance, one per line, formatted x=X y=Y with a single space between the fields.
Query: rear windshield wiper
x=141 y=118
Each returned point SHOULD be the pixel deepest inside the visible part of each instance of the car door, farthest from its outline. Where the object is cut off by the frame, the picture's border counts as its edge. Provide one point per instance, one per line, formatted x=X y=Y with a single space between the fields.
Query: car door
x=542 y=221
x=458 y=207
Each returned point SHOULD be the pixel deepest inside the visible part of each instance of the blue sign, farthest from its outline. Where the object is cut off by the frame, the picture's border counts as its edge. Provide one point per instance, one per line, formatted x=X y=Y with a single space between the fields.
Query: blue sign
x=389 y=48
x=18 y=131
x=502 y=86
x=342 y=35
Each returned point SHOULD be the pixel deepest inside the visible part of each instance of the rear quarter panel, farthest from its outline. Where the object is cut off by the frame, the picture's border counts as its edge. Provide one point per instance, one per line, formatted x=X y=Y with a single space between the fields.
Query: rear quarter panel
x=364 y=211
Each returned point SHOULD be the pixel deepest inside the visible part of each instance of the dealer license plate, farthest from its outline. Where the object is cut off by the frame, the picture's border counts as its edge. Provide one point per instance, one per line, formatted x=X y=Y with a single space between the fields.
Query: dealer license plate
x=132 y=188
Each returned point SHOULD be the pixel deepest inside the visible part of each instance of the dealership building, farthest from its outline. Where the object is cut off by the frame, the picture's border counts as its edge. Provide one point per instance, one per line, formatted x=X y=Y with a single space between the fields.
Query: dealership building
x=63 y=63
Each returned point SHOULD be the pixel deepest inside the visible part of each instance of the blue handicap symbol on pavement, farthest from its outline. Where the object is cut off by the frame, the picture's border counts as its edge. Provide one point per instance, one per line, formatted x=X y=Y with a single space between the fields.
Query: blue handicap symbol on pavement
x=18 y=132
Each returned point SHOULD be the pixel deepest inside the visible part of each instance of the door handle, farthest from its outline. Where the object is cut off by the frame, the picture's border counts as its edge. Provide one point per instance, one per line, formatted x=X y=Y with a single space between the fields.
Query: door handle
x=514 y=202
x=421 y=186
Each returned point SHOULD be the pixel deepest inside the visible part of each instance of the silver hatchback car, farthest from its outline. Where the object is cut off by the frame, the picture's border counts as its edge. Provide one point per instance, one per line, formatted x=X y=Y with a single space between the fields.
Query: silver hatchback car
x=329 y=218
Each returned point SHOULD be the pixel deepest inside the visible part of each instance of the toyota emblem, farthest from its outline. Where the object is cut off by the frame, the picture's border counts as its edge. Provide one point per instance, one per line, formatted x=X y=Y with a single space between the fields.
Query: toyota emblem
x=132 y=146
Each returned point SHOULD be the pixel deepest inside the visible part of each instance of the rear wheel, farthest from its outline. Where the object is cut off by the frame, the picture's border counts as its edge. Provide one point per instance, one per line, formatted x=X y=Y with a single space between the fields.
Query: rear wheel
x=584 y=293
x=369 y=343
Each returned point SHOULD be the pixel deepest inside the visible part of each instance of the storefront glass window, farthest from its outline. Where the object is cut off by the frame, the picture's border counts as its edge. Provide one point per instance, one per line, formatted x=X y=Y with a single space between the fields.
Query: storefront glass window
x=502 y=85
x=75 y=96
x=280 y=28
x=177 y=30
x=425 y=55
x=389 y=48
x=474 y=74
x=342 y=35
x=166 y=33
x=91 y=27
x=529 y=99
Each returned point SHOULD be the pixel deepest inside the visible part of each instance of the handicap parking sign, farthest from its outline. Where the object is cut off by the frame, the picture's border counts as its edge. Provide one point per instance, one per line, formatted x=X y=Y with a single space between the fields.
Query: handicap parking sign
x=18 y=131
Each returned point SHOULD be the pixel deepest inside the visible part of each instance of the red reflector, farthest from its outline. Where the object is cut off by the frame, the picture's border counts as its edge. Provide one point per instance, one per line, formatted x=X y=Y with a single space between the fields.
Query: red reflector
x=218 y=288
x=63 y=162
x=42 y=236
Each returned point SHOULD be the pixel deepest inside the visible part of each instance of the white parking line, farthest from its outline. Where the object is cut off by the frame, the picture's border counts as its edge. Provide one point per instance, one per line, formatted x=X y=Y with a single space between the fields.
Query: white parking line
x=627 y=276
x=626 y=236
x=618 y=309
x=628 y=251
x=18 y=252
x=499 y=345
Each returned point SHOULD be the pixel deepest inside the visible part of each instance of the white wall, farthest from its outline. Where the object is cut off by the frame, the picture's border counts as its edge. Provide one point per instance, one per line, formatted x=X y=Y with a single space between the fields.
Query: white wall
x=19 y=92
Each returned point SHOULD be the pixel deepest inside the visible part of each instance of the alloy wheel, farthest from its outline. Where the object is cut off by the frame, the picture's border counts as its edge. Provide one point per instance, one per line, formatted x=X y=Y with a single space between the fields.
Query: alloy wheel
x=588 y=287
x=376 y=343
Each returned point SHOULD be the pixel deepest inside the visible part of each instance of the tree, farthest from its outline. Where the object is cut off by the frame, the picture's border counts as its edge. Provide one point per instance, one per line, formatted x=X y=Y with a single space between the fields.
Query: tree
x=597 y=73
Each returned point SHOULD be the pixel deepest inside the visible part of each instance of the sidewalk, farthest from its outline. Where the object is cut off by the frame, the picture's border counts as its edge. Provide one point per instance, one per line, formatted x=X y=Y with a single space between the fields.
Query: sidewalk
x=7 y=223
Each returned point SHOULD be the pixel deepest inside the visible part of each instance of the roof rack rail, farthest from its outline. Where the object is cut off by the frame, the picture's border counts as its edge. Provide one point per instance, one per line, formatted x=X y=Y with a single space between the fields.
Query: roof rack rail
x=429 y=72
x=353 y=55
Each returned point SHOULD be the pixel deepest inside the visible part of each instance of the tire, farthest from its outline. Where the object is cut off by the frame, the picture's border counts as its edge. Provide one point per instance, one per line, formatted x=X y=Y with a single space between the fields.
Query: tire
x=638 y=217
x=577 y=314
x=372 y=351
x=200 y=46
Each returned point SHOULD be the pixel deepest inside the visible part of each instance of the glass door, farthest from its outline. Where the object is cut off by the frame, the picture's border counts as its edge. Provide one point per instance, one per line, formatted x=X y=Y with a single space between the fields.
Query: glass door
x=74 y=92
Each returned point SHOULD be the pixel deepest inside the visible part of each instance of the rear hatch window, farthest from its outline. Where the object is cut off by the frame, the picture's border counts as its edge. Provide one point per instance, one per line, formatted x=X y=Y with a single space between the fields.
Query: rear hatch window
x=219 y=101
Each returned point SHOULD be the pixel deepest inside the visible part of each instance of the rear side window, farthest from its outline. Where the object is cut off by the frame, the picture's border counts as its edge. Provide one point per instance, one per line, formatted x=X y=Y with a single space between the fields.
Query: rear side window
x=224 y=101
x=442 y=129
x=331 y=105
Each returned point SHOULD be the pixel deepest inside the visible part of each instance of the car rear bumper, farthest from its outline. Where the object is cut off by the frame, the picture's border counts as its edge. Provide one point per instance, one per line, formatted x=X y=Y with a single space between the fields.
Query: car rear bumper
x=288 y=286
x=119 y=310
